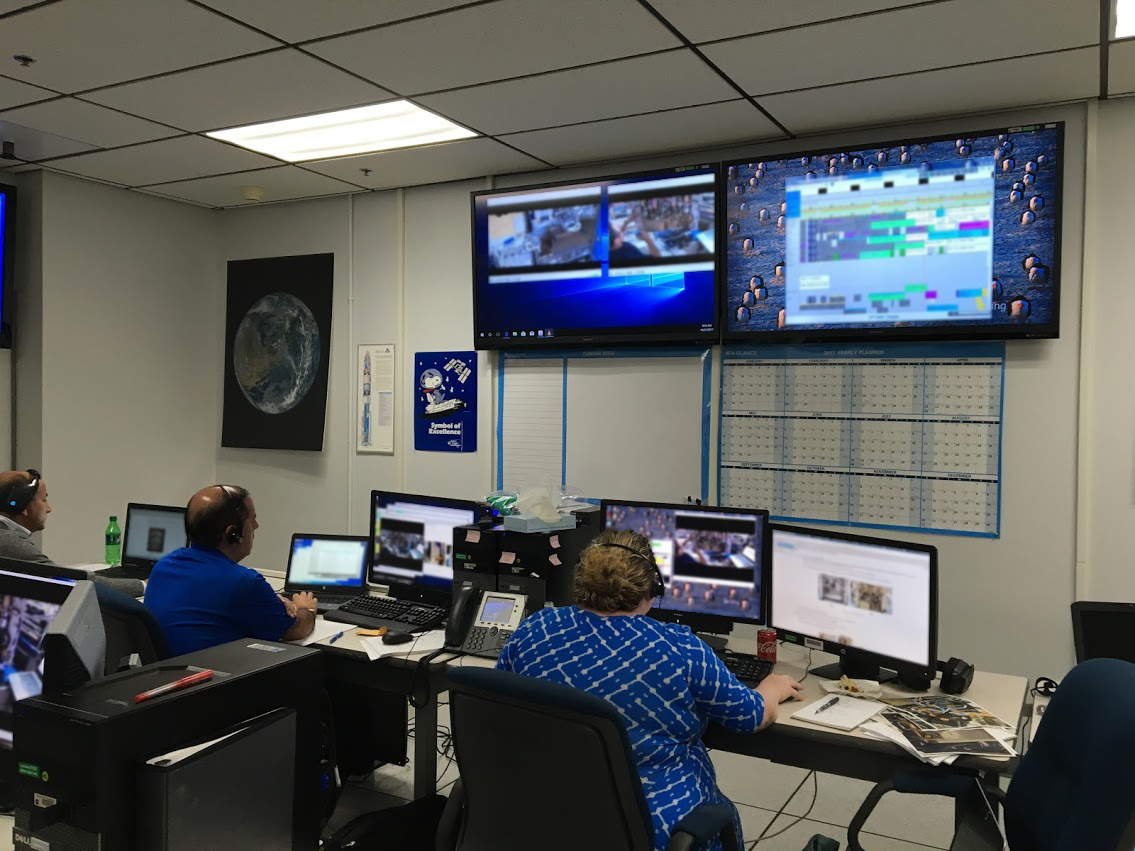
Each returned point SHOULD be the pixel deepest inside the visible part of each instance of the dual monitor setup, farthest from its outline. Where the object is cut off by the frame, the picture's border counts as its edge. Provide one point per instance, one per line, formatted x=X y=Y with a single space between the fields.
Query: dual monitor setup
x=943 y=237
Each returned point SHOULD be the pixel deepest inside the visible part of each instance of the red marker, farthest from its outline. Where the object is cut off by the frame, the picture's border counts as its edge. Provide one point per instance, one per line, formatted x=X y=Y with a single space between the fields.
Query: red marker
x=176 y=685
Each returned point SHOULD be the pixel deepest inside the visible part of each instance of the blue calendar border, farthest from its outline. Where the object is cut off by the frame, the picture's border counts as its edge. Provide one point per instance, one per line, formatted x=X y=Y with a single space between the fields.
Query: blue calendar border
x=702 y=352
x=994 y=349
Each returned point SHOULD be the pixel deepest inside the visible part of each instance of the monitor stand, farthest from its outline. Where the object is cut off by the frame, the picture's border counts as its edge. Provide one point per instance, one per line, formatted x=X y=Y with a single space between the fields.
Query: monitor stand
x=715 y=642
x=854 y=669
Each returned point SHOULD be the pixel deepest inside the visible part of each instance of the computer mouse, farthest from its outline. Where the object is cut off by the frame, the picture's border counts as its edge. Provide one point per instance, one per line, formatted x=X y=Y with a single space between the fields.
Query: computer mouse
x=397 y=638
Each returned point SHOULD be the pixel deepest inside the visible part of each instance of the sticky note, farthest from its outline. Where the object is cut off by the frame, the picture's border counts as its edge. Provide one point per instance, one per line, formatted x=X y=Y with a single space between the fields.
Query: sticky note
x=554 y=541
x=472 y=536
x=507 y=558
x=554 y=559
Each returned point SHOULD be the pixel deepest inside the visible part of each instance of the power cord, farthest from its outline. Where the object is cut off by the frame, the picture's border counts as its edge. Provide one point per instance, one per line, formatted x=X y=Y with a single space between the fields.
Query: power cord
x=992 y=814
x=786 y=828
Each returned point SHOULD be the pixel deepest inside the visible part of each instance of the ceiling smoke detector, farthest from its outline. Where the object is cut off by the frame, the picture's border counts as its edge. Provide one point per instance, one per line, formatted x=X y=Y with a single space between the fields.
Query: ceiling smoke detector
x=23 y=60
x=252 y=194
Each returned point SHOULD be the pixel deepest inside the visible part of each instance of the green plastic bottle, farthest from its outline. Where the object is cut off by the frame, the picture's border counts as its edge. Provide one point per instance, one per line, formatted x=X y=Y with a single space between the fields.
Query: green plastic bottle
x=113 y=542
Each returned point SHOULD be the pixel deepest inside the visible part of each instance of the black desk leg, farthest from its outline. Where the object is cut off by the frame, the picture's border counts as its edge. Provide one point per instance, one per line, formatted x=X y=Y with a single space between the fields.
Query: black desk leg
x=425 y=748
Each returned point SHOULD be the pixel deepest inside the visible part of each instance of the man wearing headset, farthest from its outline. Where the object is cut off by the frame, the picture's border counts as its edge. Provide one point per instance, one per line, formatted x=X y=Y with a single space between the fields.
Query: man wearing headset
x=23 y=510
x=202 y=596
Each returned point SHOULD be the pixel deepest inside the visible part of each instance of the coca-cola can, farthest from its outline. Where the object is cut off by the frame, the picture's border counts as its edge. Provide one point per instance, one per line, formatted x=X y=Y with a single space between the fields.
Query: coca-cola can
x=766 y=644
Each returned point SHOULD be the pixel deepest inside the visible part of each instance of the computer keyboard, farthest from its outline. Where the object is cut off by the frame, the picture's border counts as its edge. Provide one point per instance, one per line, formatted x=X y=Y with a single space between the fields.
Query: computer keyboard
x=331 y=602
x=747 y=668
x=125 y=571
x=378 y=612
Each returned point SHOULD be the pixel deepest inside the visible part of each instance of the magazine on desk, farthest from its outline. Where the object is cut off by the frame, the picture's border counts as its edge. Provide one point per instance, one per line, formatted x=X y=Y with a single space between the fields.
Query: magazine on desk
x=939 y=728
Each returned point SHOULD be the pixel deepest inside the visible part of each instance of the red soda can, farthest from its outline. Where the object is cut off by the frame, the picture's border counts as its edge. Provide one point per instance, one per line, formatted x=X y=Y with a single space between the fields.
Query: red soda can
x=766 y=644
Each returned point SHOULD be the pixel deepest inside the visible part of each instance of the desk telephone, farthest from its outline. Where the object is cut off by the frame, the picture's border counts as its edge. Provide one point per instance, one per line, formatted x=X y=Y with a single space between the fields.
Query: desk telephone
x=481 y=622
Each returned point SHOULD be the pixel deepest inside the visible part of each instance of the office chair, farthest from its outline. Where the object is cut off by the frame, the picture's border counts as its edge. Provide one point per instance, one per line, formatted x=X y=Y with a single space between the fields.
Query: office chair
x=131 y=629
x=547 y=766
x=1072 y=790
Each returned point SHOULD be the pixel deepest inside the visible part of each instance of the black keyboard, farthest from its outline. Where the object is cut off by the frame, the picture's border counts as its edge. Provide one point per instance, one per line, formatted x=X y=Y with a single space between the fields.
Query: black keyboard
x=378 y=612
x=330 y=602
x=747 y=668
x=125 y=571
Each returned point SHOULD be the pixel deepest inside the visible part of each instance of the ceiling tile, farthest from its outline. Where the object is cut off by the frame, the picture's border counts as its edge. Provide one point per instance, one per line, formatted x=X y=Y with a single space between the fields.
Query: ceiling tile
x=87 y=122
x=710 y=19
x=694 y=127
x=432 y=164
x=610 y=90
x=963 y=31
x=393 y=56
x=285 y=183
x=1121 y=67
x=14 y=93
x=275 y=85
x=170 y=159
x=293 y=20
x=34 y=144
x=1071 y=75
x=81 y=45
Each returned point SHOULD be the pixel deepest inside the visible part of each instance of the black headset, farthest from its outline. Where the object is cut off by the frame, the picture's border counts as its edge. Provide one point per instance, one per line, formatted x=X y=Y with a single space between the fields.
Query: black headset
x=957 y=675
x=234 y=507
x=658 y=587
x=19 y=495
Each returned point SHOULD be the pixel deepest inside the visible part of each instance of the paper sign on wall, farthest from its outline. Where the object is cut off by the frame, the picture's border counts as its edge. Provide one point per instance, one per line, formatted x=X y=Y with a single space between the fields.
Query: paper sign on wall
x=445 y=401
x=374 y=425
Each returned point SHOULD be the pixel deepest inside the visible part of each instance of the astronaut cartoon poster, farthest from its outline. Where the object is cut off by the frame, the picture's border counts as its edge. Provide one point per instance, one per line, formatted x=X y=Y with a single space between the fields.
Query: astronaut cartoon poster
x=445 y=401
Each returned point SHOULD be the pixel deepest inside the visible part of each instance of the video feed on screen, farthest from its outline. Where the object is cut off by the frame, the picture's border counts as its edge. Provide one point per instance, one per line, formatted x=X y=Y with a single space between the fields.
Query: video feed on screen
x=23 y=623
x=620 y=260
x=872 y=597
x=957 y=236
x=711 y=561
x=413 y=542
x=546 y=236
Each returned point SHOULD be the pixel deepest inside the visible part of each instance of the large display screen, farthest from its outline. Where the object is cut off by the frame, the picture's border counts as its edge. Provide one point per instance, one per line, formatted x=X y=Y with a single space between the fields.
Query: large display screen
x=628 y=259
x=411 y=540
x=952 y=237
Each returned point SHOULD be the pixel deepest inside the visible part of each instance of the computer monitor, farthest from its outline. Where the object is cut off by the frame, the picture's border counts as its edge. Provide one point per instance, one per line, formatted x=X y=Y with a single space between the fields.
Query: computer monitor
x=74 y=646
x=1103 y=630
x=871 y=601
x=411 y=543
x=327 y=563
x=712 y=559
x=152 y=532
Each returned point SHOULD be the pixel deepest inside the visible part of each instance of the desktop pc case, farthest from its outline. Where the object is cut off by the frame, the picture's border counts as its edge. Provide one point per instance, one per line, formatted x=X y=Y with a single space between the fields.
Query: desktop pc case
x=79 y=753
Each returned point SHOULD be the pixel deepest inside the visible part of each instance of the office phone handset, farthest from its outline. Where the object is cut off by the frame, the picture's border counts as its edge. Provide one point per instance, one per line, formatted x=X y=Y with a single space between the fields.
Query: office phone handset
x=481 y=622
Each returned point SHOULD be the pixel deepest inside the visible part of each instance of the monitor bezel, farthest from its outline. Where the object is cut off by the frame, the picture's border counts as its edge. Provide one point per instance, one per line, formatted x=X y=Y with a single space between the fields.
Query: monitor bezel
x=1079 y=607
x=412 y=589
x=603 y=339
x=1048 y=331
x=7 y=264
x=901 y=666
x=704 y=621
x=144 y=506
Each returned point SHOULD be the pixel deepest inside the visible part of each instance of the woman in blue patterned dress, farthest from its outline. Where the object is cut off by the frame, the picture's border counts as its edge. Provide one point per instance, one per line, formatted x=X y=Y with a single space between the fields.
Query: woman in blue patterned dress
x=666 y=683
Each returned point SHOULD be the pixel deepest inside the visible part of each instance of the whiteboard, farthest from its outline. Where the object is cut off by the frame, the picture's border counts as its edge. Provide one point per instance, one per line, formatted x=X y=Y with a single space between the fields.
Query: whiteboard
x=615 y=411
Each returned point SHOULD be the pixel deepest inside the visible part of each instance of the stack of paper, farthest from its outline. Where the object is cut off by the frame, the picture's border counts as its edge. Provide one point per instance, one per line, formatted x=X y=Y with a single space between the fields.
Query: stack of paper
x=423 y=642
x=938 y=729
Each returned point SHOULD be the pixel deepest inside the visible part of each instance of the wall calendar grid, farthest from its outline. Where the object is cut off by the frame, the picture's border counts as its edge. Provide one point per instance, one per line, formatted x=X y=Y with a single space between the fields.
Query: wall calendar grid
x=901 y=436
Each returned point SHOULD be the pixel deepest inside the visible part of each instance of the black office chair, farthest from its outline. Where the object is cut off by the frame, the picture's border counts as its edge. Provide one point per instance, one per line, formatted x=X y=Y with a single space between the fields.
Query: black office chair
x=547 y=766
x=130 y=628
x=1072 y=790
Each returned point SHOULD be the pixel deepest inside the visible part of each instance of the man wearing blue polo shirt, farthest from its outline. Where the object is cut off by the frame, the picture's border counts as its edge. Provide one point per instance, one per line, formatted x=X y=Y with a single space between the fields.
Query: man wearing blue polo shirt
x=202 y=596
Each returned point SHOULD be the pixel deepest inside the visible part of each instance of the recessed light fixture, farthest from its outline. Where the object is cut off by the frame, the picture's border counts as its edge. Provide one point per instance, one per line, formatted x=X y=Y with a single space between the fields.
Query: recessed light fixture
x=1124 y=18
x=346 y=132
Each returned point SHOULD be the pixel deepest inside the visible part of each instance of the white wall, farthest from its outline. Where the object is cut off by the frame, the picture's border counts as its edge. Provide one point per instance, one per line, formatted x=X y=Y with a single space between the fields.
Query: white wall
x=127 y=408
x=1107 y=416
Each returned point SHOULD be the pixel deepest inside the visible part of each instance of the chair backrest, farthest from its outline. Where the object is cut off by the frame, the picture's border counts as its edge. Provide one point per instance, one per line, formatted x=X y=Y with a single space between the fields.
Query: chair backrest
x=130 y=628
x=1073 y=787
x=544 y=766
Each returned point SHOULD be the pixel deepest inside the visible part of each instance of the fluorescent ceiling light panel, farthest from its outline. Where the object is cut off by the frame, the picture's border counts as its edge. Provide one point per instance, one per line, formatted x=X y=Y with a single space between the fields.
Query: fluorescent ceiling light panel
x=362 y=130
x=1124 y=18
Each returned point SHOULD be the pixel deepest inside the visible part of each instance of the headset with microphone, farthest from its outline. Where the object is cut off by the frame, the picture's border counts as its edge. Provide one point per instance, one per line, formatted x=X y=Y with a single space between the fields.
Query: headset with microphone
x=658 y=587
x=19 y=495
x=234 y=504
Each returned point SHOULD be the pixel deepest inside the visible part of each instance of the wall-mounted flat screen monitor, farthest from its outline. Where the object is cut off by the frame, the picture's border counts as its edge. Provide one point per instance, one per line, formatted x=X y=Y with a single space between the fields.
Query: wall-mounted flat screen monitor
x=621 y=260
x=950 y=237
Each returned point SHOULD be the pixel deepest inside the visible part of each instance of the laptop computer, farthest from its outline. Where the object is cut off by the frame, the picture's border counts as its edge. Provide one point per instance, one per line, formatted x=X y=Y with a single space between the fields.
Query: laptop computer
x=1103 y=630
x=332 y=567
x=152 y=532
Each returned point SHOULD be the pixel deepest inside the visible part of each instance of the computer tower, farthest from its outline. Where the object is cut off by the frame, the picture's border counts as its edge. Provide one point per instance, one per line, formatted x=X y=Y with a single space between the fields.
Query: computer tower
x=78 y=753
x=475 y=554
x=542 y=564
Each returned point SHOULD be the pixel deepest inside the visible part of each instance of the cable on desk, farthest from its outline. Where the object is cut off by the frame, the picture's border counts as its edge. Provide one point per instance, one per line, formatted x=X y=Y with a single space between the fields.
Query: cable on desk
x=808 y=812
x=423 y=668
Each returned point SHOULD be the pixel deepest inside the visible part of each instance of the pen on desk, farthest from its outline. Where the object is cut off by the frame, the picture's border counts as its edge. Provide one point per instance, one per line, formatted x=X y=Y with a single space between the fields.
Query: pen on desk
x=335 y=637
x=176 y=685
x=828 y=705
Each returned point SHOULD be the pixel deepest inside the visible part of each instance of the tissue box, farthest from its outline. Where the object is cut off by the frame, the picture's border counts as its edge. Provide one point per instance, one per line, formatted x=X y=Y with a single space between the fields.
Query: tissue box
x=532 y=523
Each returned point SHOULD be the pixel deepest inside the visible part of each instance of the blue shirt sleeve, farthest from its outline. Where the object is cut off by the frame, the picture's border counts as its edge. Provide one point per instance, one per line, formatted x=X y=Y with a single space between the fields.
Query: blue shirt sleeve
x=719 y=695
x=262 y=611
